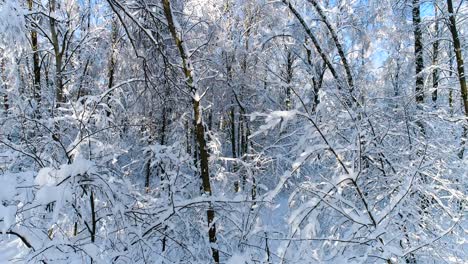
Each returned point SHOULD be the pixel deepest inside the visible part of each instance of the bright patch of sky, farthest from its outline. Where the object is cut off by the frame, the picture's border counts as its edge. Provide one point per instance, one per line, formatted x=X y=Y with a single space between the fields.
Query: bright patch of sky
x=380 y=55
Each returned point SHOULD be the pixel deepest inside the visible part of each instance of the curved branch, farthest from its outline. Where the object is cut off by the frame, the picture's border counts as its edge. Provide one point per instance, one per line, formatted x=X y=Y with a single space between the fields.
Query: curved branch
x=22 y=238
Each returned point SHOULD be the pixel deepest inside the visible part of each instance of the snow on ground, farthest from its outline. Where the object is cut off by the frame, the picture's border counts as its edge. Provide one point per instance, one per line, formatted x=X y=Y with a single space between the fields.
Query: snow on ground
x=10 y=249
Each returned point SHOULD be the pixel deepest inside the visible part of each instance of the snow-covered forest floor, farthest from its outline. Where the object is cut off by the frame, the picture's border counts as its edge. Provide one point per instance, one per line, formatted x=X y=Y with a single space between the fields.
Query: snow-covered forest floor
x=233 y=131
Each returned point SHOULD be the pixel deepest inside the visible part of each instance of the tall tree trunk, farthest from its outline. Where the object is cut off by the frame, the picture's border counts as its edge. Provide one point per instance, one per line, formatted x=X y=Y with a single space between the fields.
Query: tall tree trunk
x=199 y=126
x=36 y=63
x=419 y=62
x=148 y=169
x=435 y=57
x=200 y=136
x=58 y=53
x=317 y=78
x=188 y=137
x=460 y=69
x=289 y=76
x=450 y=99
x=419 y=94
x=112 y=62
x=59 y=96
x=4 y=88
x=161 y=171
x=232 y=119
x=148 y=131
x=244 y=131
x=93 y=217
x=418 y=52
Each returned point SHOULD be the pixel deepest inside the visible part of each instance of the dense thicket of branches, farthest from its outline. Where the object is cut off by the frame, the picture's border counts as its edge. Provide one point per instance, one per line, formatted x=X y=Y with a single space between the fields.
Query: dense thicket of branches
x=233 y=131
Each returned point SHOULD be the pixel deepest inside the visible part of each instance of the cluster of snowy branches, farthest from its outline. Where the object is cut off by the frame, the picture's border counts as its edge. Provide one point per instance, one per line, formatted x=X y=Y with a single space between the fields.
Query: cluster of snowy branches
x=233 y=131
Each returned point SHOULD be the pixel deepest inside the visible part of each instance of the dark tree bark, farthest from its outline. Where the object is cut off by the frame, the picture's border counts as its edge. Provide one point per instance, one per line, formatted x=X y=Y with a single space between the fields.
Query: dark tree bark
x=232 y=120
x=289 y=71
x=112 y=61
x=317 y=78
x=435 y=58
x=339 y=46
x=460 y=69
x=93 y=217
x=199 y=126
x=5 y=95
x=36 y=63
x=58 y=53
x=418 y=52
x=322 y=54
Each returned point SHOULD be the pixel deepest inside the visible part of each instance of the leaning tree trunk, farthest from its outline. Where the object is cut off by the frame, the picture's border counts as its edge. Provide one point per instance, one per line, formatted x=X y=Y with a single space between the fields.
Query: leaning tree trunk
x=339 y=46
x=324 y=56
x=460 y=68
x=199 y=126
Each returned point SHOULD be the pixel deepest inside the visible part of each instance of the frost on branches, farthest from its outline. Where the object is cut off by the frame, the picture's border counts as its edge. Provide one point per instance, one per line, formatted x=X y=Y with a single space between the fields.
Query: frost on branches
x=249 y=131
